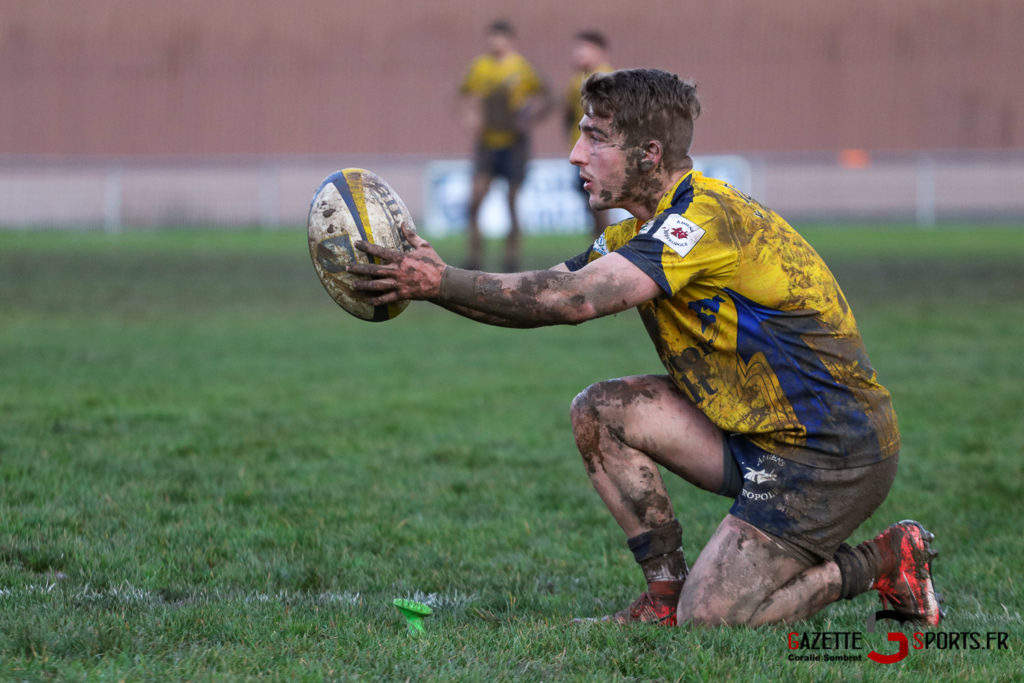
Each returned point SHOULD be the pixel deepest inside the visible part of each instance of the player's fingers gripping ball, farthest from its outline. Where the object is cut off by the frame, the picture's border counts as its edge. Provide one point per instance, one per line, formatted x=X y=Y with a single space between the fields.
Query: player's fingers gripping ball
x=350 y=205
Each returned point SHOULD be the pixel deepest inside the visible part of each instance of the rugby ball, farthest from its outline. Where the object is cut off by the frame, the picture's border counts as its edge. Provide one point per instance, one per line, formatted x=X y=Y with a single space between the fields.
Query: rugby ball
x=354 y=204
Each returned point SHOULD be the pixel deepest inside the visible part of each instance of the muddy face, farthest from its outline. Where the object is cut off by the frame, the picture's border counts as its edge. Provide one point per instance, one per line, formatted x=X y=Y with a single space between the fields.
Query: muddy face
x=641 y=187
x=611 y=165
x=637 y=187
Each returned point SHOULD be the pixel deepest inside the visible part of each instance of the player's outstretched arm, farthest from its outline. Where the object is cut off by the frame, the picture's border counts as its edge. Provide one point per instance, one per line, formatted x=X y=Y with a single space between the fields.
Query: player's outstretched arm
x=486 y=318
x=544 y=297
x=478 y=316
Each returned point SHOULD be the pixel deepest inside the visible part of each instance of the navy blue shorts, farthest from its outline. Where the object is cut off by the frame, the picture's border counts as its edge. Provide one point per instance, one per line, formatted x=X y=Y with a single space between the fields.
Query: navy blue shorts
x=809 y=509
x=503 y=162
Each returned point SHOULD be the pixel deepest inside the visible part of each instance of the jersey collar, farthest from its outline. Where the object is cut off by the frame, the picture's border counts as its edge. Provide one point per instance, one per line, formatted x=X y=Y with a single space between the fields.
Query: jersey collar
x=679 y=194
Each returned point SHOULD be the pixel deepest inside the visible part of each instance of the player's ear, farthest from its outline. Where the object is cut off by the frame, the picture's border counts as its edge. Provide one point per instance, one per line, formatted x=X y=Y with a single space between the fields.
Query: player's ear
x=652 y=156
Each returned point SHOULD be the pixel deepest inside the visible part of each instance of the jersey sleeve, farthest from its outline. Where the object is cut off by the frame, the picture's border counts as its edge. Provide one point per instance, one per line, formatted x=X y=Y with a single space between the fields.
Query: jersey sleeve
x=674 y=250
x=595 y=251
x=578 y=261
x=613 y=237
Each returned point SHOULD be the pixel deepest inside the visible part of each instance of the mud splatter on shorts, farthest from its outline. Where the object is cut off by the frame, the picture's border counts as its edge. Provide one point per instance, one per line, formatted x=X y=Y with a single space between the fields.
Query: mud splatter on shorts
x=809 y=509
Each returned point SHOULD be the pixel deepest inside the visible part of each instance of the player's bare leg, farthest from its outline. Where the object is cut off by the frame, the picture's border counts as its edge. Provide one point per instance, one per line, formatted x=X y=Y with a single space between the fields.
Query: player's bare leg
x=744 y=576
x=624 y=429
x=514 y=239
x=475 y=243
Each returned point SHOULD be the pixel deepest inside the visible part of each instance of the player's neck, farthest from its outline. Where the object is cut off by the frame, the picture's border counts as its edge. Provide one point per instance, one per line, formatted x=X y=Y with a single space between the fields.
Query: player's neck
x=647 y=208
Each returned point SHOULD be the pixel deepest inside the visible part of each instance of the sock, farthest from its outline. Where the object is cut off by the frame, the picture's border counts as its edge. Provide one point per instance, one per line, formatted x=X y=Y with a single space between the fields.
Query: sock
x=858 y=568
x=659 y=553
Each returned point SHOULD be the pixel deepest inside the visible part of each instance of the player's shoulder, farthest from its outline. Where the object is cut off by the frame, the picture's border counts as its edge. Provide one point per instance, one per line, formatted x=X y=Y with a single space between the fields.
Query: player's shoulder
x=708 y=183
x=519 y=59
x=704 y=188
x=716 y=190
x=691 y=195
x=481 y=64
x=617 y=234
x=523 y=65
x=712 y=197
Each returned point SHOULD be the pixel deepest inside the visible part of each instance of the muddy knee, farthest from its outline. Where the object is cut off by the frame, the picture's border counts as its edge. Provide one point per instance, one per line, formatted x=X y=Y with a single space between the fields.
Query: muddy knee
x=585 y=422
x=591 y=412
x=594 y=406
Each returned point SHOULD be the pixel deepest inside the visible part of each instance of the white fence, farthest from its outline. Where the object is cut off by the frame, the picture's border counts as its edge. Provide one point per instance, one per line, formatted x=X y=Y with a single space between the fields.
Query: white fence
x=115 y=194
x=549 y=201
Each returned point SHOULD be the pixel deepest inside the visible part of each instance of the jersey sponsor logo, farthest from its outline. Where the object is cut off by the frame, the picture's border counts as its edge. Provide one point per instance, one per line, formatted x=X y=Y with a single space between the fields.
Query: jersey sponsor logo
x=600 y=246
x=679 y=234
x=758 y=476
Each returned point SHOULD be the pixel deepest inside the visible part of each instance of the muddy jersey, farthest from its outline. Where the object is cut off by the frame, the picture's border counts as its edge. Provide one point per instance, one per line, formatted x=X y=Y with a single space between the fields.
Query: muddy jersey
x=752 y=326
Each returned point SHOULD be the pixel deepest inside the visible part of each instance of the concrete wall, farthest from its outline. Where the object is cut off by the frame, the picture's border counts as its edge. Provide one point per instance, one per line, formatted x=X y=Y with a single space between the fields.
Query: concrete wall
x=340 y=77
x=127 y=193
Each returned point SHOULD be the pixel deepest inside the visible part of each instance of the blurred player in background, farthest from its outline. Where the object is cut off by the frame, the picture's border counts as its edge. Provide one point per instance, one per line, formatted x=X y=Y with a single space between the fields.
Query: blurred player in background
x=502 y=96
x=589 y=55
x=768 y=398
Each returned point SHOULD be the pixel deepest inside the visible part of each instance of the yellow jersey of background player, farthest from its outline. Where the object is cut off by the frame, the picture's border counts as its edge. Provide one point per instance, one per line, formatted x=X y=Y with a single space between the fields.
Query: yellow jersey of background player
x=589 y=55
x=761 y=339
x=504 y=86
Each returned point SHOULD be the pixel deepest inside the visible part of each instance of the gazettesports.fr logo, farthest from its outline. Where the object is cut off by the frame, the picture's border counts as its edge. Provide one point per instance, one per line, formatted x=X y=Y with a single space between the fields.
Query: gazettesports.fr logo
x=849 y=646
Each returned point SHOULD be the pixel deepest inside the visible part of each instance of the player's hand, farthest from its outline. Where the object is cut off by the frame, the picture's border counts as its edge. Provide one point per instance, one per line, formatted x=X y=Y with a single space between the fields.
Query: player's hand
x=399 y=275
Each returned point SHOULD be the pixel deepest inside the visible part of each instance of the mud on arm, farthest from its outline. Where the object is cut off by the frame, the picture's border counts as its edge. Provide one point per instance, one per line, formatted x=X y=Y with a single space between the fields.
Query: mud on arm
x=549 y=297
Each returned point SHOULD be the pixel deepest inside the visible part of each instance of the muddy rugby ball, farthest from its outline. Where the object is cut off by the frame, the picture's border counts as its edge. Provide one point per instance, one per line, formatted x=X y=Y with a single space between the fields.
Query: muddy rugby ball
x=354 y=204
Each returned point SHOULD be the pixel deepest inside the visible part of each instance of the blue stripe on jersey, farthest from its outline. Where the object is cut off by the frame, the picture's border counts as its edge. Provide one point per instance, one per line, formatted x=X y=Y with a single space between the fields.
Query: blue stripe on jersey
x=645 y=253
x=833 y=417
x=681 y=201
x=578 y=261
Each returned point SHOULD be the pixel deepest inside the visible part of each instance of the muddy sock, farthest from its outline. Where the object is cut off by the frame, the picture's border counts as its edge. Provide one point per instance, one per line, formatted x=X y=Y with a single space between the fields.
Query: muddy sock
x=858 y=568
x=659 y=553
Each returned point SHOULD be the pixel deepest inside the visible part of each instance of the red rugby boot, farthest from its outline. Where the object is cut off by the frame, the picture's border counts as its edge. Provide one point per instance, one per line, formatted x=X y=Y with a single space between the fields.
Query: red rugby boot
x=657 y=605
x=905 y=575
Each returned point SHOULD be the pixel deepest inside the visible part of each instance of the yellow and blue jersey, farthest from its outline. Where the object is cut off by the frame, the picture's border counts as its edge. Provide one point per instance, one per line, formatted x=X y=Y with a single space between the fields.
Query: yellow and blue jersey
x=752 y=326
x=504 y=88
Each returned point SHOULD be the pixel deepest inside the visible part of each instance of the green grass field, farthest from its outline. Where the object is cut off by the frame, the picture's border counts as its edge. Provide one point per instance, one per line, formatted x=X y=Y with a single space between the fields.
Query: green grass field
x=209 y=471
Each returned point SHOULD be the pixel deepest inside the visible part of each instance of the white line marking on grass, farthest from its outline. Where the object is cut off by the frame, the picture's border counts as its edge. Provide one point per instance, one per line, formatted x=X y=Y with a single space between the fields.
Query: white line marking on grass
x=329 y=598
x=127 y=594
x=456 y=600
x=30 y=589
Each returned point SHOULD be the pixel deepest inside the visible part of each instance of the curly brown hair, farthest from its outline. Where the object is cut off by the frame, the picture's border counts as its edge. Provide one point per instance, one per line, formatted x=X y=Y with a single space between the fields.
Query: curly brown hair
x=644 y=105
